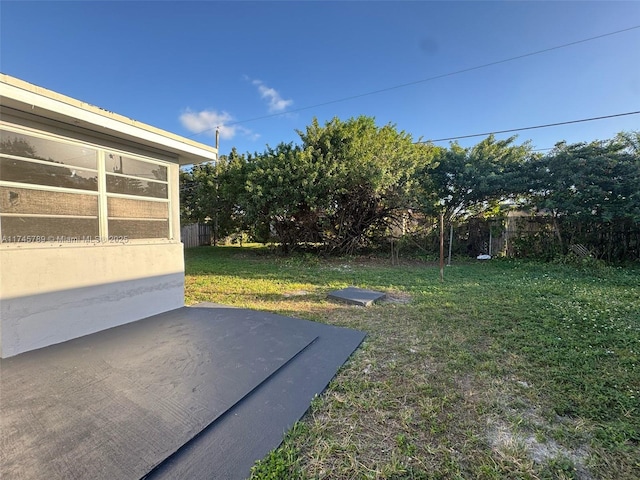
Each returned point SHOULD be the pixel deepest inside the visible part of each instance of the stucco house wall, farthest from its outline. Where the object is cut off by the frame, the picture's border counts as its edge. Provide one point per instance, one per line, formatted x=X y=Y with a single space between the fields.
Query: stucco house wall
x=89 y=218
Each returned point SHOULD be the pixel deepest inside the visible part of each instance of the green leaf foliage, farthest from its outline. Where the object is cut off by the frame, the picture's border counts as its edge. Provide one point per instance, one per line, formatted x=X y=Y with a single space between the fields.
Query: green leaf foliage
x=468 y=181
x=213 y=193
x=366 y=177
x=352 y=184
x=597 y=180
x=346 y=181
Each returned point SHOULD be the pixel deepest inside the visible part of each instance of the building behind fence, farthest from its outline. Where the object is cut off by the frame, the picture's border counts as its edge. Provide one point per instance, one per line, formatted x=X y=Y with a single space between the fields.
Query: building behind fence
x=523 y=235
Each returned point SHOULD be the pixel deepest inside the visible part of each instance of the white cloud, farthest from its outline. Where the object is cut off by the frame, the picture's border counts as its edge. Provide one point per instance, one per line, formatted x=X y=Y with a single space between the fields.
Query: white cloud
x=207 y=121
x=274 y=99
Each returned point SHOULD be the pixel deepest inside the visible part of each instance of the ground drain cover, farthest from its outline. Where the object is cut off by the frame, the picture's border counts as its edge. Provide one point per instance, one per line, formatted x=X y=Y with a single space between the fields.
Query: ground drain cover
x=356 y=296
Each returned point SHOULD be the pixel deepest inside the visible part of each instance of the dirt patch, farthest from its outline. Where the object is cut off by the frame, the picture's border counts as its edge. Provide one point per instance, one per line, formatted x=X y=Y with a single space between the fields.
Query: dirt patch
x=505 y=440
x=397 y=297
x=517 y=428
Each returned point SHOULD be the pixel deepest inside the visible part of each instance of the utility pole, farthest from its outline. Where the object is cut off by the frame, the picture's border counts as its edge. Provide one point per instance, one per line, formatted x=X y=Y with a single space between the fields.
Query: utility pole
x=215 y=217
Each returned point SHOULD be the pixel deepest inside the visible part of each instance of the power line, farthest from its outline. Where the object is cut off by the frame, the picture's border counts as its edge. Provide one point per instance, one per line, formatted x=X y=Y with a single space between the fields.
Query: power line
x=530 y=128
x=424 y=80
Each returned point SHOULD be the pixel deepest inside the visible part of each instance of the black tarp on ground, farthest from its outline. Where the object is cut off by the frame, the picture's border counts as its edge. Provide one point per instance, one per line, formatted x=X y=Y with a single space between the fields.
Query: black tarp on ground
x=247 y=432
x=117 y=403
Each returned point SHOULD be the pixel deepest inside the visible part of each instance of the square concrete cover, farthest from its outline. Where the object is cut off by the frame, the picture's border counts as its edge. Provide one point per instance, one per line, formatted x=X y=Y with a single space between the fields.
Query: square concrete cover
x=356 y=296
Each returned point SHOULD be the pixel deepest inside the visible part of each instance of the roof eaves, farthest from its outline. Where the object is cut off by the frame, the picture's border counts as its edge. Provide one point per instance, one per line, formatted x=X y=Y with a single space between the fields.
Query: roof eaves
x=21 y=95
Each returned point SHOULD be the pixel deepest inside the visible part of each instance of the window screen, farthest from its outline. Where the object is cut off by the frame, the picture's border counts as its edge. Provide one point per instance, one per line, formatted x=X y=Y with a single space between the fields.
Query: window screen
x=50 y=189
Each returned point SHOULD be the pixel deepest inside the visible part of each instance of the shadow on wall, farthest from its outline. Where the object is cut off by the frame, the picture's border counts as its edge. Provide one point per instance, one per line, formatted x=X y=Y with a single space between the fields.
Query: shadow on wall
x=33 y=321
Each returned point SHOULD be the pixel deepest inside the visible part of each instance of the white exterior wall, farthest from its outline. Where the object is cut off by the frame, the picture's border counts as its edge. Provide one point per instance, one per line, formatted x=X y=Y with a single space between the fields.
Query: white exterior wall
x=55 y=293
x=51 y=293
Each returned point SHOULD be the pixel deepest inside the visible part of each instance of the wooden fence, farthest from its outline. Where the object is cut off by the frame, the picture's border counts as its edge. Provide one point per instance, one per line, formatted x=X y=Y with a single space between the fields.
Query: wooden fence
x=196 y=235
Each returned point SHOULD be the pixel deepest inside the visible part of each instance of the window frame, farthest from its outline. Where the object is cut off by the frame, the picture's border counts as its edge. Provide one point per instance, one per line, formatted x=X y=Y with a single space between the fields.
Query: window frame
x=101 y=193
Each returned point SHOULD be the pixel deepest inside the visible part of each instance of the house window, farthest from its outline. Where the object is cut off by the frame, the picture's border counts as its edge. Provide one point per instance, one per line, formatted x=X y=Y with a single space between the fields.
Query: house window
x=53 y=189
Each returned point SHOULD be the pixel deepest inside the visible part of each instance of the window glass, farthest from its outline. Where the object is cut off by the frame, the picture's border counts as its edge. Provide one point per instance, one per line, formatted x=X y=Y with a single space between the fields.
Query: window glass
x=116 y=163
x=134 y=186
x=23 y=171
x=27 y=201
x=37 y=213
x=54 y=151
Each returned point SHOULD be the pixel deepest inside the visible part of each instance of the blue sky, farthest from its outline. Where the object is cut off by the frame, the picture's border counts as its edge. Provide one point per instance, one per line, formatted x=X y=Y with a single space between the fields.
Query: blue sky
x=189 y=66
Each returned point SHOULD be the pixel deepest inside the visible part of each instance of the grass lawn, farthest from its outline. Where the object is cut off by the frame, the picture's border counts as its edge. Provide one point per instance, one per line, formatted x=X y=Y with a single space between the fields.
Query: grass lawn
x=505 y=370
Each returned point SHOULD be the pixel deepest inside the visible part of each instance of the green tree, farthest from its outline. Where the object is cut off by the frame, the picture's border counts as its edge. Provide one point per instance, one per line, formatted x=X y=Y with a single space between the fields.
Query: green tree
x=591 y=189
x=366 y=177
x=346 y=181
x=213 y=193
x=597 y=180
x=463 y=182
x=277 y=196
